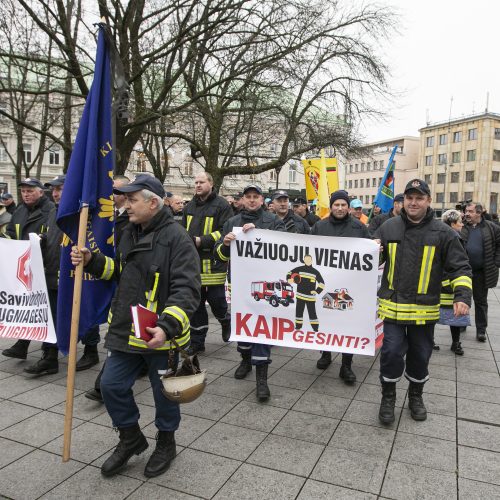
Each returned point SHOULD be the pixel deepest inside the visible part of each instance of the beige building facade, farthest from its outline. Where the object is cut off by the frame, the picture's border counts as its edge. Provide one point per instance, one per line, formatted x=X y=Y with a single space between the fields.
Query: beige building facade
x=460 y=159
x=363 y=175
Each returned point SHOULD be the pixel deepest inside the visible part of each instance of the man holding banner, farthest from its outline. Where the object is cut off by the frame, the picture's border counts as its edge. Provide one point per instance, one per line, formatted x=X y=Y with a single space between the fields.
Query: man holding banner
x=253 y=216
x=29 y=217
x=340 y=224
x=419 y=251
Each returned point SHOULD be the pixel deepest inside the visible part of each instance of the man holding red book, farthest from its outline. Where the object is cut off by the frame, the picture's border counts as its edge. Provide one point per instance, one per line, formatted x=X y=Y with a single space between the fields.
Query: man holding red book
x=155 y=266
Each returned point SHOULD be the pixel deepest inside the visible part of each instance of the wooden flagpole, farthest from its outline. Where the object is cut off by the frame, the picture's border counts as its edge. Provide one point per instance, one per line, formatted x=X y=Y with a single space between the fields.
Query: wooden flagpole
x=75 y=320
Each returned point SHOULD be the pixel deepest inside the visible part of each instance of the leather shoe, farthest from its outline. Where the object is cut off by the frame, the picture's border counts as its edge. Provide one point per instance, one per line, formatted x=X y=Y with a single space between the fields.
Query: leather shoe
x=481 y=336
x=94 y=395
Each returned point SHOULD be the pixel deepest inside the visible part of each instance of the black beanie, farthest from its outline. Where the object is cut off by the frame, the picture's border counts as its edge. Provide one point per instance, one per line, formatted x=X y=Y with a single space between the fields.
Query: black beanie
x=339 y=195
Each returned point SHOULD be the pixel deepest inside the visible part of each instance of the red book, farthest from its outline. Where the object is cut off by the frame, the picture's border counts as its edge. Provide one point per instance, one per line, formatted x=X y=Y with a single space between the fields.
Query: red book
x=143 y=318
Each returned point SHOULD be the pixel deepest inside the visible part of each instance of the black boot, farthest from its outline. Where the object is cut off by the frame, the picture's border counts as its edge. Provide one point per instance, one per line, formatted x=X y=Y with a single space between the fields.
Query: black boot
x=245 y=366
x=94 y=395
x=415 y=401
x=325 y=360
x=480 y=336
x=262 y=391
x=19 y=350
x=90 y=358
x=47 y=365
x=346 y=373
x=132 y=442
x=386 y=411
x=162 y=456
x=456 y=347
x=226 y=329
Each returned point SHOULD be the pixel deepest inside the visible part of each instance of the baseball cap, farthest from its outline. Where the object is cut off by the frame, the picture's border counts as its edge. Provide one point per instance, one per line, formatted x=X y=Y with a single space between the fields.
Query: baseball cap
x=418 y=185
x=6 y=196
x=299 y=201
x=56 y=181
x=399 y=197
x=280 y=194
x=253 y=187
x=31 y=182
x=356 y=203
x=142 y=182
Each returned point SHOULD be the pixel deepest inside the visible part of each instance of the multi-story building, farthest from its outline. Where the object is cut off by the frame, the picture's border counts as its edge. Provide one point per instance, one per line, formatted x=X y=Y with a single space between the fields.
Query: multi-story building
x=460 y=159
x=363 y=175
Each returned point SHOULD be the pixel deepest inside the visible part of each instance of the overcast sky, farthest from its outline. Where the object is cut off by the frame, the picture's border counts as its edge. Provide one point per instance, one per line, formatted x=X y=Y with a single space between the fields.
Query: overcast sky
x=446 y=48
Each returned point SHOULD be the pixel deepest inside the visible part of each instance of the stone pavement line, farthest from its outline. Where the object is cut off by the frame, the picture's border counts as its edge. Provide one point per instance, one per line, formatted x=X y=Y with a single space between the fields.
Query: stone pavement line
x=315 y=438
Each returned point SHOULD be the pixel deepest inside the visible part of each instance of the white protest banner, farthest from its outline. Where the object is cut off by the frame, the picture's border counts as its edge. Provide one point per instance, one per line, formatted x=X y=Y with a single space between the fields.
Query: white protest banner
x=24 y=301
x=308 y=292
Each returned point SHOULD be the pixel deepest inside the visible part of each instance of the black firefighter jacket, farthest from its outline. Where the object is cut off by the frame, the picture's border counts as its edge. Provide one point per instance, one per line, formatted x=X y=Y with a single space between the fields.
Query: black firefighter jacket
x=51 y=250
x=491 y=245
x=418 y=257
x=295 y=224
x=157 y=268
x=205 y=219
x=377 y=221
x=27 y=220
x=348 y=227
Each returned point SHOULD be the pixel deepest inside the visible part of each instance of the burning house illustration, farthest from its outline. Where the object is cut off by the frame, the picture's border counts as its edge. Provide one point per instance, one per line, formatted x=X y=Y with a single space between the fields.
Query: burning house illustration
x=339 y=300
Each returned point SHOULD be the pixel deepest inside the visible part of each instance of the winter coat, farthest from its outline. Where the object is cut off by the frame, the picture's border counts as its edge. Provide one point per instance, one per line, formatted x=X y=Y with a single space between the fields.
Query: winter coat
x=491 y=244
x=157 y=268
x=418 y=257
x=27 y=220
x=348 y=227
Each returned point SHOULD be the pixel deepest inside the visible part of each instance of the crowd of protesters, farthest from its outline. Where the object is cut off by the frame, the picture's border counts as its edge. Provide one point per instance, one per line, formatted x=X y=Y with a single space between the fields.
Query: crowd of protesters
x=177 y=255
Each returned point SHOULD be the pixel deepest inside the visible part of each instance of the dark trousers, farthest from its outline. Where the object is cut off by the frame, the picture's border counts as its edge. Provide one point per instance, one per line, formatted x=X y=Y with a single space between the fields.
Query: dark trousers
x=120 y=373
x=261 y=353
x=480 y=296
x=215 y=295
x=311 y=310
x=414 y=342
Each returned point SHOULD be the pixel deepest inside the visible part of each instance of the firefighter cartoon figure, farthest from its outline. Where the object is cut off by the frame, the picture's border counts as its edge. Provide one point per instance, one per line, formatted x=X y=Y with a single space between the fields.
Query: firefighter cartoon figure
x=309 y=284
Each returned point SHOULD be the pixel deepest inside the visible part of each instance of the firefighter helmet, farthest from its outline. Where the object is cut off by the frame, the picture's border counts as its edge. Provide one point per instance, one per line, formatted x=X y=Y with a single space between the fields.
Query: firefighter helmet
x=184 y=388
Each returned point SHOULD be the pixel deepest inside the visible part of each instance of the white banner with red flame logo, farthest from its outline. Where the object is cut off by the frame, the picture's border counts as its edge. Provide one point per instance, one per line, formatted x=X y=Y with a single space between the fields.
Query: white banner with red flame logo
x=24 y=301
x=308 y=292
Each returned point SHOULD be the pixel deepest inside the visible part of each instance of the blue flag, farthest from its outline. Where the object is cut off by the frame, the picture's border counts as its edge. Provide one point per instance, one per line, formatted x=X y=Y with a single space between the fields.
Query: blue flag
x=89 y=180
x=385 y=195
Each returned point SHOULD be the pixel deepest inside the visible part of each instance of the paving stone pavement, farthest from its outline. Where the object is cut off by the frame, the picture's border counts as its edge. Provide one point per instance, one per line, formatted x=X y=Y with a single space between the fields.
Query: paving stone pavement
x=315 y=439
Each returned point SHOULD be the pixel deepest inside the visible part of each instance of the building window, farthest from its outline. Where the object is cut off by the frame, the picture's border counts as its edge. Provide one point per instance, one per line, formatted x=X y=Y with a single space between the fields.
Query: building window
x=469 y=176
x=495 y=176
x=455 y=177
x=428 y=160
x=428 y=178
x=457 y=136
x=442 y=159
x=429 y=141
x=496 y=155
x=468 y=195
x=379 y=181
x=273 y=176
x=350 y=184
x=439 y=197
x=472 y=134
x=443 y=139
x=367 y=183
x=362 y=167
x=188 y=167
x=493 y=203
x=27 y=152
x=497 y=133
x=471 y=155
x=54 y=155
x=373 y=198
x=3 y=154
x=292 y=174
x=350 y=169
x=355 y=183
x=441 y=178
x=361 y=183
x=453 y=197
x=368 y=166
x=356 y=167
x=455 y=157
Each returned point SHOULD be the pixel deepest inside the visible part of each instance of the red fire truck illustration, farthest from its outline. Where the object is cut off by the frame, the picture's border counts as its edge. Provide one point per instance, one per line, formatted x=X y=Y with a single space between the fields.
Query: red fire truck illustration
x=275 y=292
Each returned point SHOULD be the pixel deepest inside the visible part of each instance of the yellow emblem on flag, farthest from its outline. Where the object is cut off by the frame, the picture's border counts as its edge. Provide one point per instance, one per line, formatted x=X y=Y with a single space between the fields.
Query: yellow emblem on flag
x=107 y=208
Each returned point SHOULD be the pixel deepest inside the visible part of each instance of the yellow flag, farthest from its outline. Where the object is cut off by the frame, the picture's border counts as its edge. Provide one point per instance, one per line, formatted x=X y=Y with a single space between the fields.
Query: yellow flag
x=312 y=170
x=323 y=206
